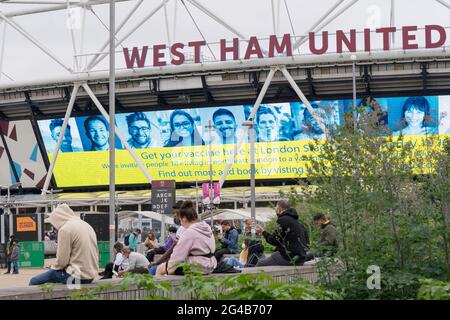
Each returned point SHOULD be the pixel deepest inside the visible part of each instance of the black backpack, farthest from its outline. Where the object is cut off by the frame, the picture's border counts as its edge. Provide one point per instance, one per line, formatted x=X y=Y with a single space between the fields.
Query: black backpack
x=222 y=267
x=255 y=252
x=127 y=240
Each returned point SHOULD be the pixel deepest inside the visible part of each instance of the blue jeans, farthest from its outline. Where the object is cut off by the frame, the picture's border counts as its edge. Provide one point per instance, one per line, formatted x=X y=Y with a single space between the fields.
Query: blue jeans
x=152 y=270
x=8 y=265
x=233 y=262
x=52 y=276
x=15 y=266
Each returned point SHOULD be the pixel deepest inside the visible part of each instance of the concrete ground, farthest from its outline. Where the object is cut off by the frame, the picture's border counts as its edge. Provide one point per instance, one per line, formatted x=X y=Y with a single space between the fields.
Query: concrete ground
x=18 y=280
x=23 y=278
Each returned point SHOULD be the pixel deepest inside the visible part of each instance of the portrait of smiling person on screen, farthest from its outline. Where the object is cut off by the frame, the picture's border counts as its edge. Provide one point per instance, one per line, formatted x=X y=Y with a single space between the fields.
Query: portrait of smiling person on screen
x=416 y=118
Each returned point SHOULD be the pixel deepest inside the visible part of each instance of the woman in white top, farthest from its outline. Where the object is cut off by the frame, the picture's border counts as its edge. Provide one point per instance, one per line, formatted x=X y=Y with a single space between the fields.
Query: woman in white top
x=120 y=263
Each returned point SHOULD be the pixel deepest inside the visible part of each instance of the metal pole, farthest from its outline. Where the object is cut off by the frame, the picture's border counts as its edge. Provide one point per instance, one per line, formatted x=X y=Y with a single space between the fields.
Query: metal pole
x=211 y=183
x=112 y=127
x=2 y=48
x=196 y=196
x=119 y=135
x=163 y=228
x=261 y=95
x=302 y=97
x=61 y=137
x=61 y=6
x=34 y=41
x=322 y=23
x=274 y=22
x=213 y=16
x=354 y=92
x=2 y=224
x=128 y=34
x=7 y=201
x=252 y=177
x=443 y=3
x=392 y=23
x=117 y=31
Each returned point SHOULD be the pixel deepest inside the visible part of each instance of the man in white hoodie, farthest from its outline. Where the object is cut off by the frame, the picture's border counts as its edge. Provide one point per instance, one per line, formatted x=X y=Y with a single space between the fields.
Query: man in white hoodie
x=77 y=253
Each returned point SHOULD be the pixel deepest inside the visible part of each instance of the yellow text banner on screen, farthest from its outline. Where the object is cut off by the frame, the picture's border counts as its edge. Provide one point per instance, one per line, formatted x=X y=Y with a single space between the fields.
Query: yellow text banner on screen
x=274 y=160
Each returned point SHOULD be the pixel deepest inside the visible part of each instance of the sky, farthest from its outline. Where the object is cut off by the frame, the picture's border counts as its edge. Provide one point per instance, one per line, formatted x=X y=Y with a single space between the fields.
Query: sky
x=23 y=61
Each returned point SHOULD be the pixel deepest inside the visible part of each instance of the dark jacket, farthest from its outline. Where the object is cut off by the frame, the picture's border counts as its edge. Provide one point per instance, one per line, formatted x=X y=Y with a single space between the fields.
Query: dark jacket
x=291 y=238
x=15 y=251
x=9 y=247
x=328 y=236
x=230 y=240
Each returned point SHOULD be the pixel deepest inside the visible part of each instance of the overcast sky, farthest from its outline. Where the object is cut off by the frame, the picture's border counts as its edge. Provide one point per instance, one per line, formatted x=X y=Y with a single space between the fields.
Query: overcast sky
x=23 y=61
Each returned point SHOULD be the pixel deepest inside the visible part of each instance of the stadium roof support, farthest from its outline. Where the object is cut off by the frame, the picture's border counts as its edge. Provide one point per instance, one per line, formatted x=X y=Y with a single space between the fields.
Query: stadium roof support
x=60 y=139
x=445 y=4
x=41 y=46
x=58 y=7
x=321 y=23
x=106 y=116
x=99 y=57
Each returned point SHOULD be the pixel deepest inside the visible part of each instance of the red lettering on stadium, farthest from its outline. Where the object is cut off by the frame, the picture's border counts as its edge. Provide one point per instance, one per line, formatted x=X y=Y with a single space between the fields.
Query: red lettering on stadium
x=435 y=36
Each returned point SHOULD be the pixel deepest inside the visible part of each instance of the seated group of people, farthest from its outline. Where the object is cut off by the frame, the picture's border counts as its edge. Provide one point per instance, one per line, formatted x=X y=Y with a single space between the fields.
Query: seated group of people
x=197 y=246
x=193 y=242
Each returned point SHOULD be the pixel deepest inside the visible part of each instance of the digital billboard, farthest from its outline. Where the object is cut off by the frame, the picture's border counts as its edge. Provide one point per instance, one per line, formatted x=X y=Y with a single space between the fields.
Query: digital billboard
x=179 y=144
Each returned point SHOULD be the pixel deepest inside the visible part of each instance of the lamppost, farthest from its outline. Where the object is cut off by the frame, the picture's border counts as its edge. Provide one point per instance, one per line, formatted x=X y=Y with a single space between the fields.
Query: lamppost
x=196 y=197
x=353 y=57
x=251 y=128
x=116 y=214
x=210 y=128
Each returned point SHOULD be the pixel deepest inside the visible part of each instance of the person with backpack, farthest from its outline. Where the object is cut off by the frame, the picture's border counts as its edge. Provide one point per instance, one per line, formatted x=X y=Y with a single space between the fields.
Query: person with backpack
x=131 y=241
x=291 y=239
x=196 y=245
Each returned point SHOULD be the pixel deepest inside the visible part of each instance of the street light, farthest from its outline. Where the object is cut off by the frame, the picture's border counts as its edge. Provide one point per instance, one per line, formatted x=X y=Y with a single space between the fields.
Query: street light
x=353 y=57
x=251 y=127
x=210 y=128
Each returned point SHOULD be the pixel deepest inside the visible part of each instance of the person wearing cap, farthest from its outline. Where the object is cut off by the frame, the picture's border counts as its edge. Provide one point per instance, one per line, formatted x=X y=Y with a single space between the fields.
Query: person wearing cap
x=77 y=252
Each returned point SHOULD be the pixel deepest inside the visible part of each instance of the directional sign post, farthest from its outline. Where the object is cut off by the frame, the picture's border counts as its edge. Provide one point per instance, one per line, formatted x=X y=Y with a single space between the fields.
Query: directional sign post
x=163 y=200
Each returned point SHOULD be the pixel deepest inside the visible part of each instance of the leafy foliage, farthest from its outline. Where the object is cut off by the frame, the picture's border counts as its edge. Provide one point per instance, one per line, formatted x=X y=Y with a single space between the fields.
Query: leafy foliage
x=390 y=199
x=434 y=290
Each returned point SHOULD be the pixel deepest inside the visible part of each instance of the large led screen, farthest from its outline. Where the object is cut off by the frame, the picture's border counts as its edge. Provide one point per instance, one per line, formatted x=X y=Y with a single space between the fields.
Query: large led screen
x=179 y=144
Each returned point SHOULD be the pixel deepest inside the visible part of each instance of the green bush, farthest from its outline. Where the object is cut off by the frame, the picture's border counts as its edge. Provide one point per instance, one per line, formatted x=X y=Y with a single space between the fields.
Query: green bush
x=433 y=290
